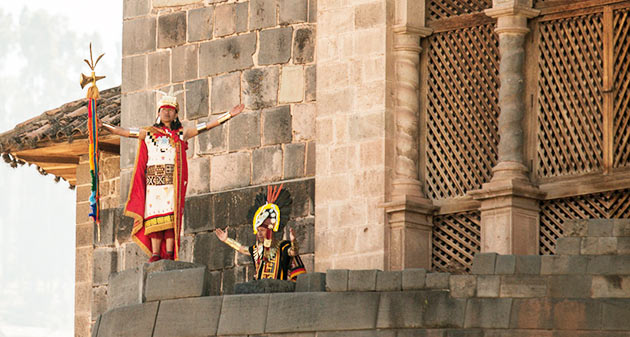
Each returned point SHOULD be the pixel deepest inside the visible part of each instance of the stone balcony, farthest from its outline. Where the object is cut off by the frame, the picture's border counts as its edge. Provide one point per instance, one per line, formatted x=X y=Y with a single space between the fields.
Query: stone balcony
x=584 y=290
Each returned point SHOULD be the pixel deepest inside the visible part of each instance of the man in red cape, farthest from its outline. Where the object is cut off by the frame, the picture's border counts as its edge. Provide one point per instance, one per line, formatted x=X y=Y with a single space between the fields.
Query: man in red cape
x=158 y=187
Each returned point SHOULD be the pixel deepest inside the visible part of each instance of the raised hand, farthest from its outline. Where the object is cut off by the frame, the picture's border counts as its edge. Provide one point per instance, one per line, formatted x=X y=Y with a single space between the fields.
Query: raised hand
x=222 y=235
x=291 y=234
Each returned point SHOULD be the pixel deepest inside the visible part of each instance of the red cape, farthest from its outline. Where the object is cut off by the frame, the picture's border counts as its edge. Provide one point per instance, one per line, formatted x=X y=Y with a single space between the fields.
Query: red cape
x=137 y=193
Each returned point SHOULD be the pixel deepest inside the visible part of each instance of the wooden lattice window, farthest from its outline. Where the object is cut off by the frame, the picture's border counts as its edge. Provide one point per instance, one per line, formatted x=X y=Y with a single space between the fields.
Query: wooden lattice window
x=554 y=213
x=440 y=9
x=462 y=110
x=621 y=83
x=456 y=240
x=570 y=96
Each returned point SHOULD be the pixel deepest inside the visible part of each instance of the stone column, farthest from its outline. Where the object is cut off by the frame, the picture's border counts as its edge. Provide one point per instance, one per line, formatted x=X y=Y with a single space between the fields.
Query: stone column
x=509 y=202
x=409 y=213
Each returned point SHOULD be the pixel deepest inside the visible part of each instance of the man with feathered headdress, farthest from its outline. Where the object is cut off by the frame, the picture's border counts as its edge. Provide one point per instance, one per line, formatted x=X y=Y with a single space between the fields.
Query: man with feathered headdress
x=158 y=186
x=273 y=259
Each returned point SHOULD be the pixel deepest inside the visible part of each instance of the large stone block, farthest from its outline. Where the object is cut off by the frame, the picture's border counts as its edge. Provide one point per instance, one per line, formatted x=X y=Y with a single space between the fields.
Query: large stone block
x=311 y=159
x=576 y=228
x=304 y=233
x=200 y=24
x=294 y=160
x=244 y=132
x=231 y=277
x=134 y=69
x=99 y=301
x=214 y=283
x=598 y=246
x=125 y=288
x=236 y=307
x=603 y=265
x=413 y=279
x=523 y=286
x=610 y=286
x=139 y=36
x=171 y=29
x=402 y=309
x=527 y=264
x=337 y=279
x=311 y=282
x=198 y=176
x=267 y=164
x=277 y=125
x=573 y=286
x=137 y=109
x=228 y=54
x=304 y=45
x=322 y=311
x=463 y=285
x=310 y=86
x=436 y=280
x=563 y=264
x=483 y=263
x=226 y=92
x=369 y=15
x=124 y=225
x=303 y=121
x=159 y=68
x=260 y=87
x=262 y=14
x=188 y=317
x=133 y=256
x=230 y=171
x=277 y=46
x=568 y=246
x=208 y=250
x=389 y=281
x=133 y=8
x=616 y=315
x=213 y=140
x=621 y=227
x=531 y=313
x=197 y=93
x=109 y=218
x=445 y=311
x=105 y=263
x=172 y=3
x=492 y=313
x=134 y=320
x=241 y=12
x=362 y=280
x=291 y=84
x=603 y=227
x=198 y=215
x=185 y=63
x=505 y=265
x=293 y=11
x=175 y=284
x=264 y=286
x=488 y=285
x=225 y=20
x=576 y=314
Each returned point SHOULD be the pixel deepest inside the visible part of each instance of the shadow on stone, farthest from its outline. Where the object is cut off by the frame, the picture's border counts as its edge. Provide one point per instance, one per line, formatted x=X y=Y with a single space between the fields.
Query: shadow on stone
x=264 y=286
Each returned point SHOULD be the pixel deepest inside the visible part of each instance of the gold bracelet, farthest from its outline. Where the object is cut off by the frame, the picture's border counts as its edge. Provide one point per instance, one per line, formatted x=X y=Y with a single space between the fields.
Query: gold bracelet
x=224 y=117
x=134 y=132
x=202 y=127
x=233 y=243
x=295 y=247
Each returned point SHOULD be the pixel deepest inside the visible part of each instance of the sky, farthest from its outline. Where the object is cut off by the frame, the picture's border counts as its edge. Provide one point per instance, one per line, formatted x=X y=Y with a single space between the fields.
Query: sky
x=42 y=46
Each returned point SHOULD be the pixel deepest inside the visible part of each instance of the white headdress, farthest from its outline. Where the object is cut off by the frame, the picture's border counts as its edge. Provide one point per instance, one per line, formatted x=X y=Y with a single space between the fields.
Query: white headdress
x=168 y=99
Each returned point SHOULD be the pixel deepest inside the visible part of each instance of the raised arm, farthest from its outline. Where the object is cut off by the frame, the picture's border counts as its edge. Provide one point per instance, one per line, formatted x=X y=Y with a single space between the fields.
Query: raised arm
x=203 y=127
x=295 y=249
x=123 y=132
x=223 y=236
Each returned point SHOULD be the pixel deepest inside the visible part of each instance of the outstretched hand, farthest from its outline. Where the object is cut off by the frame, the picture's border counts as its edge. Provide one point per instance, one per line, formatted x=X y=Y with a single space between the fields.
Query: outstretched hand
x=291 y=234
x=222 y=235
x=237 y=109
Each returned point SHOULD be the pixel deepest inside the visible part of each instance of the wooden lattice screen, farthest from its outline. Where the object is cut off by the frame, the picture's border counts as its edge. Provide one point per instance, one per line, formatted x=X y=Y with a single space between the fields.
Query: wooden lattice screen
x=456 y=239
x=440 y=9
x=555 y=212
x=621 y=42
x=462 y=110
x=570 y=98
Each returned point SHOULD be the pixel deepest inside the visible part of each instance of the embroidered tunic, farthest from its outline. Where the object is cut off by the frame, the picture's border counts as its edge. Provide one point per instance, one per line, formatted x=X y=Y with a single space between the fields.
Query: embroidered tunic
x=160 y=193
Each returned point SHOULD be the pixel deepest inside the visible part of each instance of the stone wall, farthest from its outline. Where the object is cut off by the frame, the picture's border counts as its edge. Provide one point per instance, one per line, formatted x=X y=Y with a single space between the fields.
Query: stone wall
x=260 y=53
x=353 y=173
x=89 y=260
x=582 y=291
